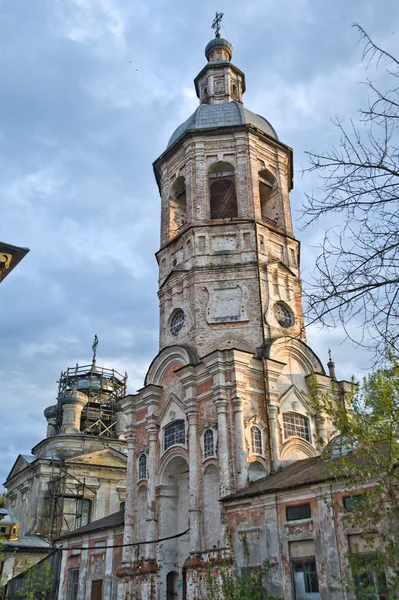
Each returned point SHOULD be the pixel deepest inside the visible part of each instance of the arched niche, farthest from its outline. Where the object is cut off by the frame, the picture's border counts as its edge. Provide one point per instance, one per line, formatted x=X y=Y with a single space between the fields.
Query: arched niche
x=222 y=191
x=141 y=516
x=173 y=508
x=211 y=510
x=268 y=195
x=296 y=449
x=177 y=206
x=256 y=470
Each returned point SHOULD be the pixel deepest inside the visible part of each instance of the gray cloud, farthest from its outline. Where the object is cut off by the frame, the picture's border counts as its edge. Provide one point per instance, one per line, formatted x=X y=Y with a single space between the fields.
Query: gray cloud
x=91 y=90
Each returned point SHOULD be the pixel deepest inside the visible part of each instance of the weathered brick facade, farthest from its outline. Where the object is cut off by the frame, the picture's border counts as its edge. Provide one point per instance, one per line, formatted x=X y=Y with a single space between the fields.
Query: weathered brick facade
x=228 y=398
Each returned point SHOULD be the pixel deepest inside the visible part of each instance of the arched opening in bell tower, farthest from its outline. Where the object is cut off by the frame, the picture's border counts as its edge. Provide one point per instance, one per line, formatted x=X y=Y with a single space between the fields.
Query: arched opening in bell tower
x=222 y=191
x=267 y=194
x=174 y=518
x=177 y=206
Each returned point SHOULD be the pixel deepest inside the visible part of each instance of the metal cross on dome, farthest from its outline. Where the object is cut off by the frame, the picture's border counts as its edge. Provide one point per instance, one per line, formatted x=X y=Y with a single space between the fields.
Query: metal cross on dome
x=216 y=23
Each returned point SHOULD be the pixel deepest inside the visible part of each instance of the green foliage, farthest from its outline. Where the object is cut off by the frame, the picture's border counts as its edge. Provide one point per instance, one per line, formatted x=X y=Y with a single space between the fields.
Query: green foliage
x=224 y=581
x=368 y=423
x=37 y=581
x=3 y=500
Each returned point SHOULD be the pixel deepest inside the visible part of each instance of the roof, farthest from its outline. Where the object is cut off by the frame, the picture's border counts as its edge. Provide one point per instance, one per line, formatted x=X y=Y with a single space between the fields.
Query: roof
x=302 y=472
x=29 y=542
x=28 y=457
x=114 y=520
x=226 y=114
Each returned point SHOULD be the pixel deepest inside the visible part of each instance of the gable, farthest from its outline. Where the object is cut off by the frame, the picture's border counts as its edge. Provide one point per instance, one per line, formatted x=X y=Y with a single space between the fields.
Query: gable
x=107 y=458
x=294 y=400
x=21 y=463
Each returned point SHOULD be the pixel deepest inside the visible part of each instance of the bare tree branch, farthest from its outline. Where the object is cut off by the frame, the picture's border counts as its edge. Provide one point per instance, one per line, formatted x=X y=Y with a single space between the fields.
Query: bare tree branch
x=356 y=278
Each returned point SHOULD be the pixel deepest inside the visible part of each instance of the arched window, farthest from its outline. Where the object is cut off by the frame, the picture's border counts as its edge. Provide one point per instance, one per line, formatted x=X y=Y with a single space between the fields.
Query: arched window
x=174 y=434
x=296 y=425
x=143 y=466
x=223 y=199
x=83 y=512
x=267 y=190
x=209 y=443
x=256 y=440
x=178 y=206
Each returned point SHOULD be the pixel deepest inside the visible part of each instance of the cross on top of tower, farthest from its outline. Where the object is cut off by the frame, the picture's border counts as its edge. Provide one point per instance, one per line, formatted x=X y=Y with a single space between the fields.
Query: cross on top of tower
x=216 y=23
x=94 y=347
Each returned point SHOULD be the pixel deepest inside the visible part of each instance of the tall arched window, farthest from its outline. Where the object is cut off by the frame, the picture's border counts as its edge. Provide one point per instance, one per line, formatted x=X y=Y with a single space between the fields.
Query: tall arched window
x=296 y=425
x=174 y=434
x=267 y=190
x=256 y=440
x=209 y=443
x=222 y=191
x=178 y=206
x=143 y=466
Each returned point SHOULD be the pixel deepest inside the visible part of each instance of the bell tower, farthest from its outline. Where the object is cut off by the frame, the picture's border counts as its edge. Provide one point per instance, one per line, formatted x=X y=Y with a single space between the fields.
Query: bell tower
x=229 y=262
x=228 y=398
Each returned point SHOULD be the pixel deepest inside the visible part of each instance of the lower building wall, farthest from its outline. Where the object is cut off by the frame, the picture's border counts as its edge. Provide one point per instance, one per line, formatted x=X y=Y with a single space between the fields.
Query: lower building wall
x=289 y=546
x=91 y=572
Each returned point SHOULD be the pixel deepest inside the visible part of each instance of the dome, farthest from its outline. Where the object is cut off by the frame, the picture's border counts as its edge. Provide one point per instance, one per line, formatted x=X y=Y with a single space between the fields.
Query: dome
x=72 y=397
x=226 y=114
x=218 y=43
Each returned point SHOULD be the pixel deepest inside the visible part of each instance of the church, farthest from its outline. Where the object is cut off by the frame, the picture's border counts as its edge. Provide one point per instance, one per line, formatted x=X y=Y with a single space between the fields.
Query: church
x=226 y=406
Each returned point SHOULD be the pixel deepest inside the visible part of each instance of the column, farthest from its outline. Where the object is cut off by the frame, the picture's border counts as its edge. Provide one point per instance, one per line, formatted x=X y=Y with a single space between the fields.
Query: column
x=273 y=433
x=241 y=454
x=194 y=503
x=128 y=531
x=223 y=443
x=152 y=431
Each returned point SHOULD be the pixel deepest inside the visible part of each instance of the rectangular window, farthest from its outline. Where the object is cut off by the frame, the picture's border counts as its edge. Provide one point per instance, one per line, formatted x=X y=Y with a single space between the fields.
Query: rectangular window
x=174 y=433
x=306 y=582
x=370 y=581
x=73 y=583
x=83 y=513
x=350 y=501
x=97 y=589
x=2 y=529
x=299 y=511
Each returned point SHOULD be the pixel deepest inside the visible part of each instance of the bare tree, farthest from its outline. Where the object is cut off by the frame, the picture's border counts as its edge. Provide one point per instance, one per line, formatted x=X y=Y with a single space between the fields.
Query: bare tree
x=357 y=271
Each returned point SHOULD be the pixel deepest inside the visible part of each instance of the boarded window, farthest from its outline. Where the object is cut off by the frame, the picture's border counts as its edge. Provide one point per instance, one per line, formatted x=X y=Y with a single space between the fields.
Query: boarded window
x=73 y=583
x=299 y=511
x=97 y=589
x=223 y=198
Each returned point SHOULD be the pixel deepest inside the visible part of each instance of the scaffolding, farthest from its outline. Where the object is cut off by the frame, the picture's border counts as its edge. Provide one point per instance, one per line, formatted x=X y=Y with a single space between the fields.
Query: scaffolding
x=64 y=500
x=103 y=387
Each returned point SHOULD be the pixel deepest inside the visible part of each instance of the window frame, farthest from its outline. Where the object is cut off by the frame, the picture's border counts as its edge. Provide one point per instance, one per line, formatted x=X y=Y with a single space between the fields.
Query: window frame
x=303 y=561
x=169 y=426
x=292 y=425
x=256 y=444
x=212 y=453
x=79 y=517
x=142 y=477
x=296 y=506
x=72 y=593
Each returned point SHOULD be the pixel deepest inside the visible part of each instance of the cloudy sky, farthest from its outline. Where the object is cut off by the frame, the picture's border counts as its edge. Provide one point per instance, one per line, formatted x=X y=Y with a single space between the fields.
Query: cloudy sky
x=90 y=91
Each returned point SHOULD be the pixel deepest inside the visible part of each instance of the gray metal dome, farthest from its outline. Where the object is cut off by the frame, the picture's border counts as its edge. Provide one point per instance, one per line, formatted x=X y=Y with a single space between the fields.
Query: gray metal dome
x=218 y=43
x=227 y=114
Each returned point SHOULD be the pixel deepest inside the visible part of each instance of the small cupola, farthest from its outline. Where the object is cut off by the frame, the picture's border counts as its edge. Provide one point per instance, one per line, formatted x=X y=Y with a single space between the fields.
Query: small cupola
x=219 y=81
